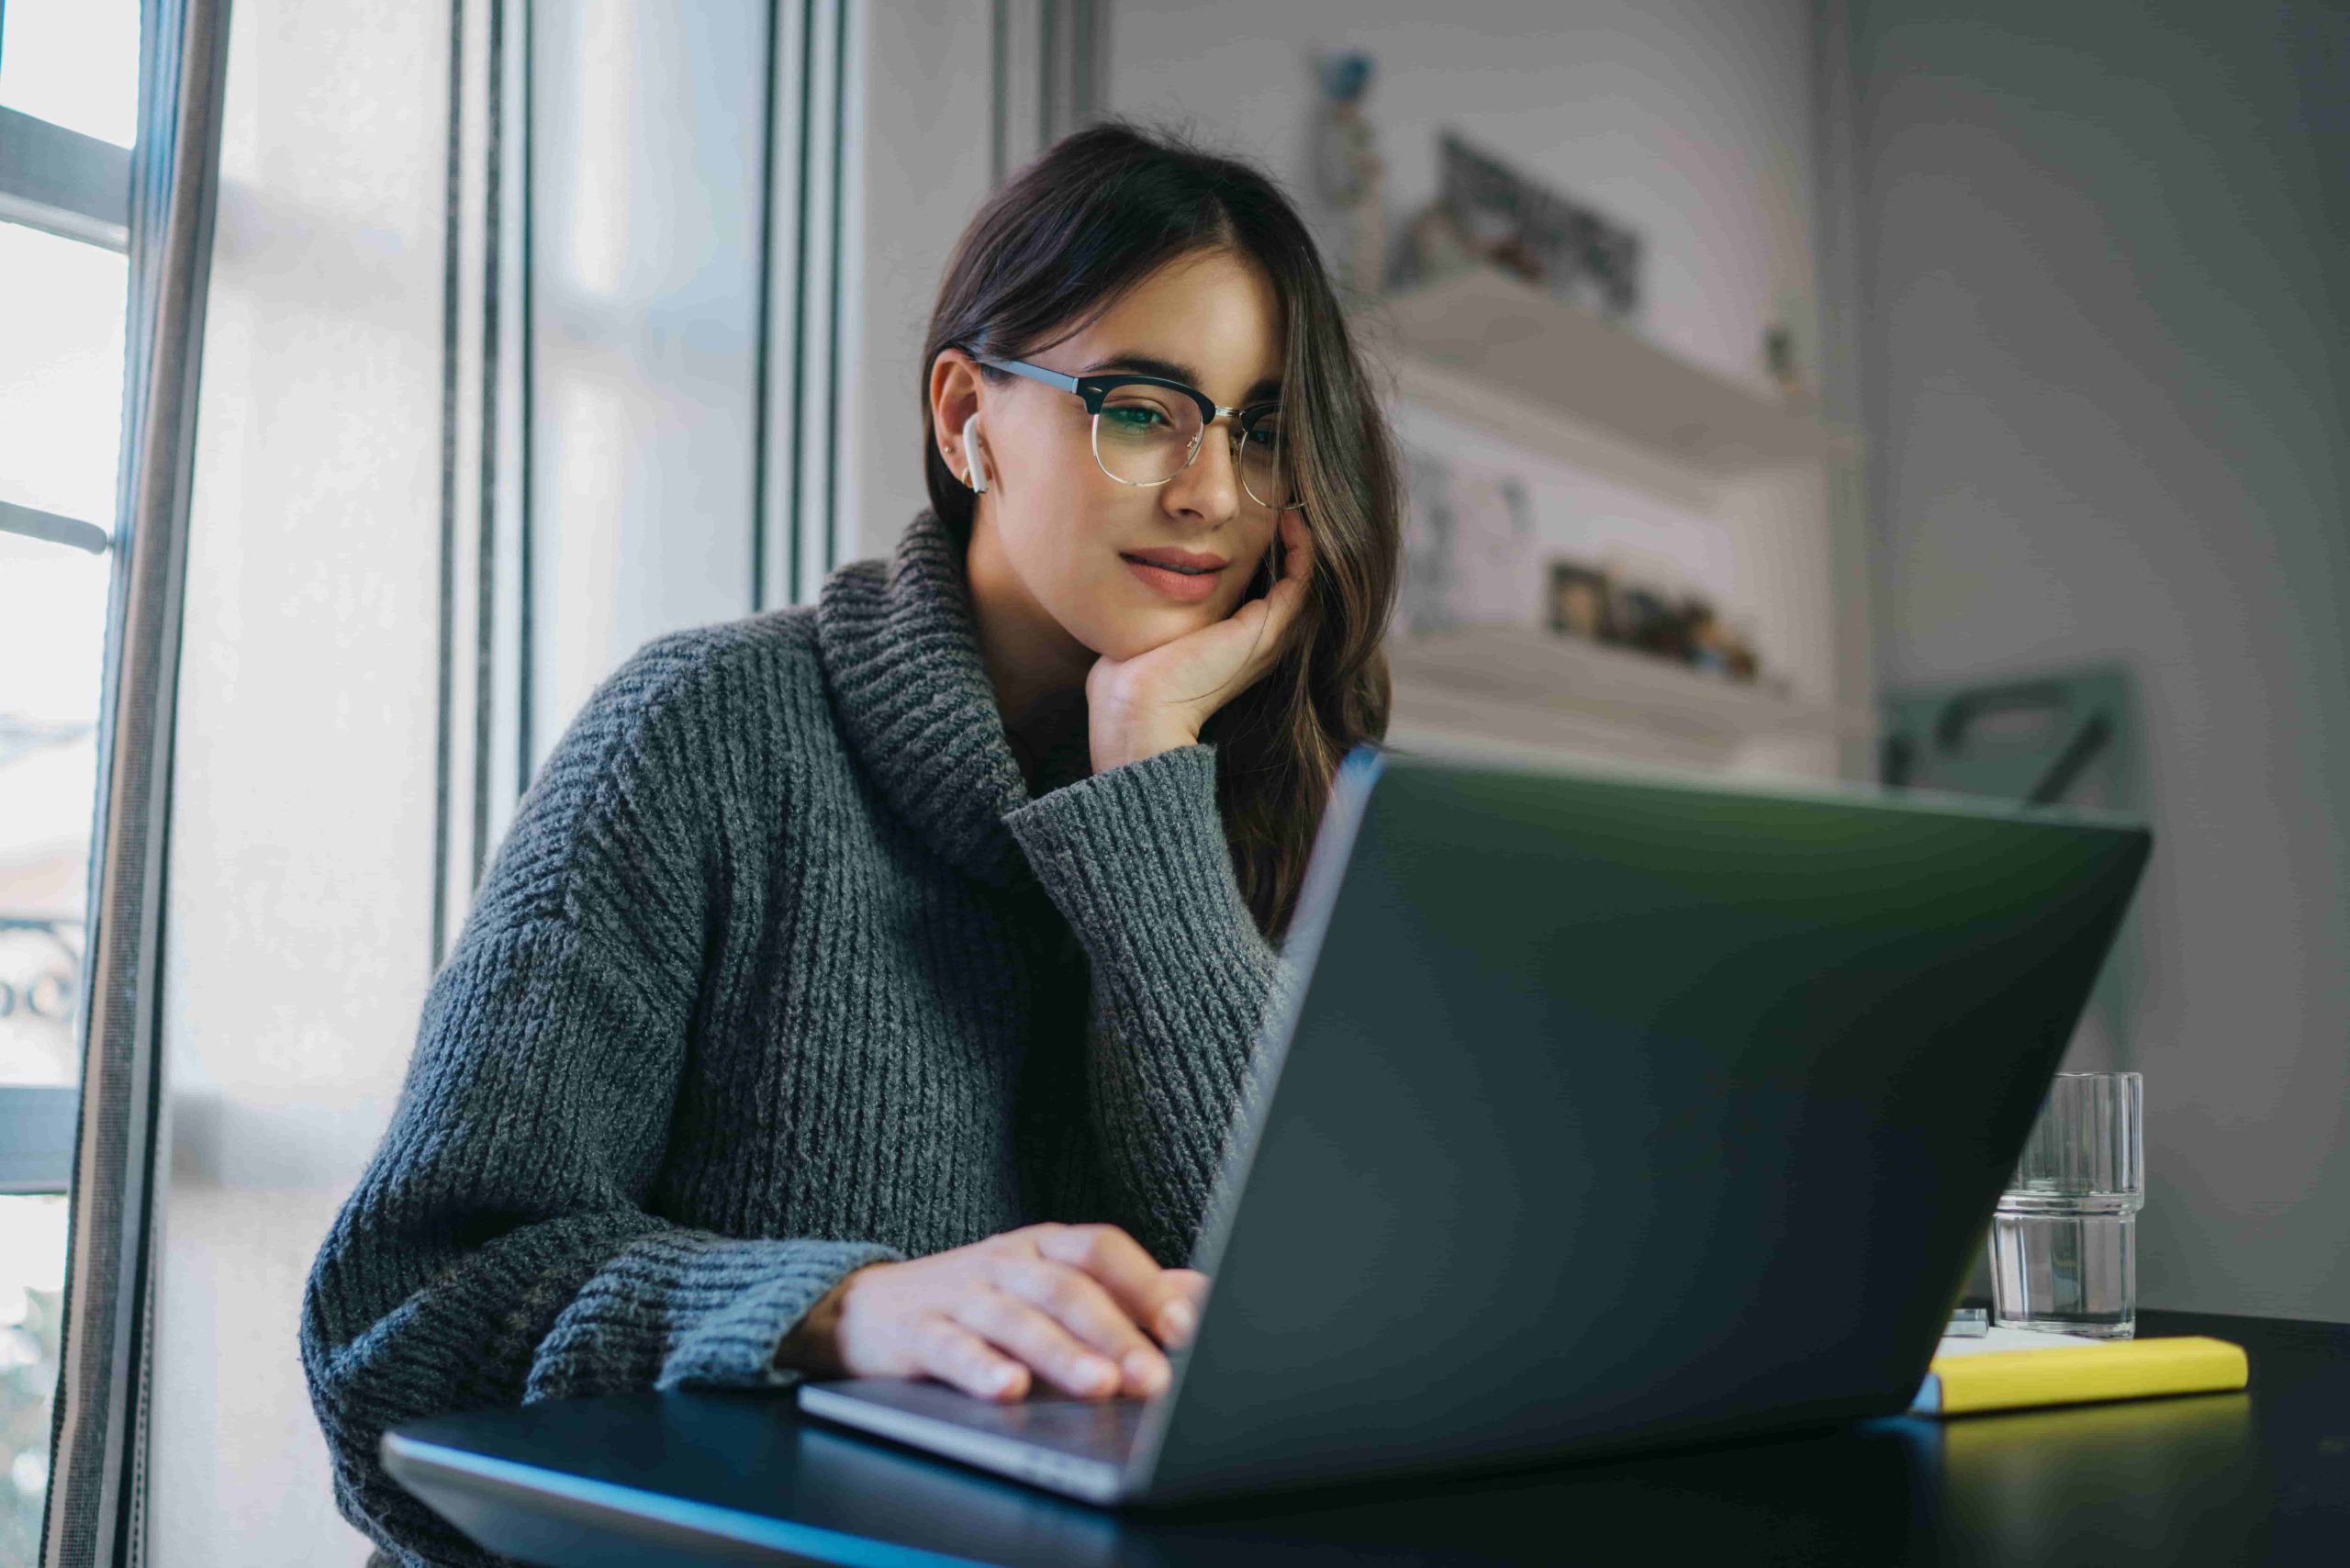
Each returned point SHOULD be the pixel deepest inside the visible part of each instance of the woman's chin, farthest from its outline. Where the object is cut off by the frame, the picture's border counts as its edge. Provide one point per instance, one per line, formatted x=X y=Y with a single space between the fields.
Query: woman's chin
x=1133 y=634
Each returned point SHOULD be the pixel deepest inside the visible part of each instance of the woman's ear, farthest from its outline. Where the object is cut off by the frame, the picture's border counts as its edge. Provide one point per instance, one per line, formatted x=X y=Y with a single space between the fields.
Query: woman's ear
x=954 y=388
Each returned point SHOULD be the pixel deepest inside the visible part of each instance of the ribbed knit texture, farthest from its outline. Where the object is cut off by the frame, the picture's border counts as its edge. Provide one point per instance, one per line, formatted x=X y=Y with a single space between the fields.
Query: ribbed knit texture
x=780 y=969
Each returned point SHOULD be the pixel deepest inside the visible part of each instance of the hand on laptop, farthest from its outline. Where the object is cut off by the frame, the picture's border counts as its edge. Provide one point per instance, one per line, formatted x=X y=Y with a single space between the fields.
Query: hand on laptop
x=1082 y=1306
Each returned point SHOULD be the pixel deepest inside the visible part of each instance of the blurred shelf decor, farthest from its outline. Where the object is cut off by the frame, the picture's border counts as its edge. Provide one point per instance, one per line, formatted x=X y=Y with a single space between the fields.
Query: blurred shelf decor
x=1476 y=684
x=1348 y=175
x=1487 y=215
x=1495 y=351
x=1605 y=542
x=1599 y=606
x=1500 y=638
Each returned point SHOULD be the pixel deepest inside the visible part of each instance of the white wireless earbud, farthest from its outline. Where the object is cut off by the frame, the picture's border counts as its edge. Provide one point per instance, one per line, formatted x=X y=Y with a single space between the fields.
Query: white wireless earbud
x=975 y=472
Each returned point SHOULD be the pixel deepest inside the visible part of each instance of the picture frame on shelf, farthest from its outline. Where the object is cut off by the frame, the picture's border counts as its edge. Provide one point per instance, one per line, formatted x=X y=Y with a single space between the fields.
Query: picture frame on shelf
x=1489 y=214
x=1593 y=604
x=1581 y=602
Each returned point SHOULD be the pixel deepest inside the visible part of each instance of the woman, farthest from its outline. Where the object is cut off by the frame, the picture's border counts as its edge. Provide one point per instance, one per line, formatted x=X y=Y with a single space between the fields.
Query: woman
x=867 y=988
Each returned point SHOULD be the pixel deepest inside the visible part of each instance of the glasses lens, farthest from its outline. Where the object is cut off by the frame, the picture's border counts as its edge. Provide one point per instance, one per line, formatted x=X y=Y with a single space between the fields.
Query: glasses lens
x=1264 y=465
x=1144 y=435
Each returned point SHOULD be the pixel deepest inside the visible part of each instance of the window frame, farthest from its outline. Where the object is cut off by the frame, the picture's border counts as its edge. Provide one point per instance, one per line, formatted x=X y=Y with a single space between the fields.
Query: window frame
x=37 y=1127
x=64 y=183
x=76 y=187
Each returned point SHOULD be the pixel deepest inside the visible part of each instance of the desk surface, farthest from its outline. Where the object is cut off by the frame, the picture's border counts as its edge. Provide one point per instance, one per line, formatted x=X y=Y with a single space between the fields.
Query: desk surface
x=2257 y=1477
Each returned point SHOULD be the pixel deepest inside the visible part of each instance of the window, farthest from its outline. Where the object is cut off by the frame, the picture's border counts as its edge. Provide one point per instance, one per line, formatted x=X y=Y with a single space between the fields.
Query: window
x=69 y=74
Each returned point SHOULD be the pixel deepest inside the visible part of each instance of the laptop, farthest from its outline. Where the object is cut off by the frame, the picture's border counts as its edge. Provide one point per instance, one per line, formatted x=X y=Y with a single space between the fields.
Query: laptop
x=1600 y=1110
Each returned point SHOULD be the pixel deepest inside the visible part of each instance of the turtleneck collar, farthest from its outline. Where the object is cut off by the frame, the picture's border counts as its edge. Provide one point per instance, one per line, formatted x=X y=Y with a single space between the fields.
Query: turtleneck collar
x=911 y=690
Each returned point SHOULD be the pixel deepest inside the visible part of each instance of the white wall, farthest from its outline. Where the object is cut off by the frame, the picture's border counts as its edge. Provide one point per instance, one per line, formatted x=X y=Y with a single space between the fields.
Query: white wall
x=921 y=147
x=1689 y=121
x=300 y=877
x=2106 y=331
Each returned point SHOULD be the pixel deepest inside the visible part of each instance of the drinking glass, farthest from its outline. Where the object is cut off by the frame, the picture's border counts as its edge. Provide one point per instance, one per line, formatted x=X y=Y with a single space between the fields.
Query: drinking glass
x=2063 y=1238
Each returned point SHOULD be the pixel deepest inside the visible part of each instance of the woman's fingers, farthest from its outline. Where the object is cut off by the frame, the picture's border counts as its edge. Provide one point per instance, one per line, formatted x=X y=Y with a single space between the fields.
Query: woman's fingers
x=1056 y=1301
x=1085 y=1308
x=1252 y=634
x=1020 y=1329
x=1286 y=598
x=1142 y=1290
x=1298 y=540
x=953 y=1354
x=1183 y=1315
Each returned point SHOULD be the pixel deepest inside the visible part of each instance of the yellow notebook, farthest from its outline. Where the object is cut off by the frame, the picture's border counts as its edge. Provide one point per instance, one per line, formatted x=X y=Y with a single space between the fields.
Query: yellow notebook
x=2011 y=1372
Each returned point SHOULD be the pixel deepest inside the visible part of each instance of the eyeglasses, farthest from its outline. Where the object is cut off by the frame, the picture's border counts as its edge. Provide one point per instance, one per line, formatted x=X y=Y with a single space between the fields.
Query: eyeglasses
x=1147 y=429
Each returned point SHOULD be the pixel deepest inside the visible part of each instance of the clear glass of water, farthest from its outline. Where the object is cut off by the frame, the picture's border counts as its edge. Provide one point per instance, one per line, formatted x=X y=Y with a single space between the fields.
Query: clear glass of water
x=2065 y=1237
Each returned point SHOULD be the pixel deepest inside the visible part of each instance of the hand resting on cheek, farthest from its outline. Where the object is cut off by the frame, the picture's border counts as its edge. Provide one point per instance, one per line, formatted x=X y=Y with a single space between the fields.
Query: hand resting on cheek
x=1158 y=700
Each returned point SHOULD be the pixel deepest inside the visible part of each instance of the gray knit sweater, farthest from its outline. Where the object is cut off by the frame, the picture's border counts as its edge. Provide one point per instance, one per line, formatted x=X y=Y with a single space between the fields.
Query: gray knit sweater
x=781 y=970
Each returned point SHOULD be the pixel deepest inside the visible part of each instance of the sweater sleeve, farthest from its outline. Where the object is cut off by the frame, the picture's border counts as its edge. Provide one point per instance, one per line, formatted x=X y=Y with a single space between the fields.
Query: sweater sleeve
x=1135 y=859
x=496 y=1250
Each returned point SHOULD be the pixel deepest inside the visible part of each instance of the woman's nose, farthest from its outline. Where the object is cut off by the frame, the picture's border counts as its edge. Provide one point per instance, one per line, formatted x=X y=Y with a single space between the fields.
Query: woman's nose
x=1210 y=484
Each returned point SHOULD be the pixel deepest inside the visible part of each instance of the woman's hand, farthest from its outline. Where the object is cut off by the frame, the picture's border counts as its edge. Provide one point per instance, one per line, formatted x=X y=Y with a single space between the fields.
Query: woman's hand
x=1062 y=1301
x=1157 y=701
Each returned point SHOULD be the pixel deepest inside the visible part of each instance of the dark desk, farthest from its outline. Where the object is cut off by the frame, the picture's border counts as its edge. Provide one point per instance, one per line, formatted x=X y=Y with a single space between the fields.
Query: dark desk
x=2259 y=1477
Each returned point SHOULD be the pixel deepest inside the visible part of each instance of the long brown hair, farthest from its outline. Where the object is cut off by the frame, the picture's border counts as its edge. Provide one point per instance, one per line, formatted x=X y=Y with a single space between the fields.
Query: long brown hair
x=1053 y=248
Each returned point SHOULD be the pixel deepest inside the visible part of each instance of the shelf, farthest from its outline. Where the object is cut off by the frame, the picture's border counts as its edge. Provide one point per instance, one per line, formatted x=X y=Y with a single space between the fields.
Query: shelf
x=1494 y=679
x=1496 y=351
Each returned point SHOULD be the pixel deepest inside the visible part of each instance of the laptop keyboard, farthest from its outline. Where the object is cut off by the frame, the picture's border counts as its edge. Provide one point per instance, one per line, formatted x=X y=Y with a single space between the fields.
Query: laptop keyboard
x=1098 y=1428
x=1103 y=1430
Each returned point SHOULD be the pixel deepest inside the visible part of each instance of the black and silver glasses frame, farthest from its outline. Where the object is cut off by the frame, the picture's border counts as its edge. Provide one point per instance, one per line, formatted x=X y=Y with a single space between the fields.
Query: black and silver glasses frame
x=1247 y=422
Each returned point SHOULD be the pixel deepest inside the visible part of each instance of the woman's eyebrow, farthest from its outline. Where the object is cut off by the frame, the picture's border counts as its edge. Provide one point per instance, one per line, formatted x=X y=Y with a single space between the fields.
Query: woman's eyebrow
x=1172 y=370
x=1146 y=364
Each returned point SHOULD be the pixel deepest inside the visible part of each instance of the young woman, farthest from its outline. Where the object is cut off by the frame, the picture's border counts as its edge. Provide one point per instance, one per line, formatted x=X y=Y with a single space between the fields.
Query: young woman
x=868 y=989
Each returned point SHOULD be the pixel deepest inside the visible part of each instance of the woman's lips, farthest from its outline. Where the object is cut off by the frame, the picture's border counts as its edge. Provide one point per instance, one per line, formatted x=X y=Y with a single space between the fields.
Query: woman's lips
x=1181 y=575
